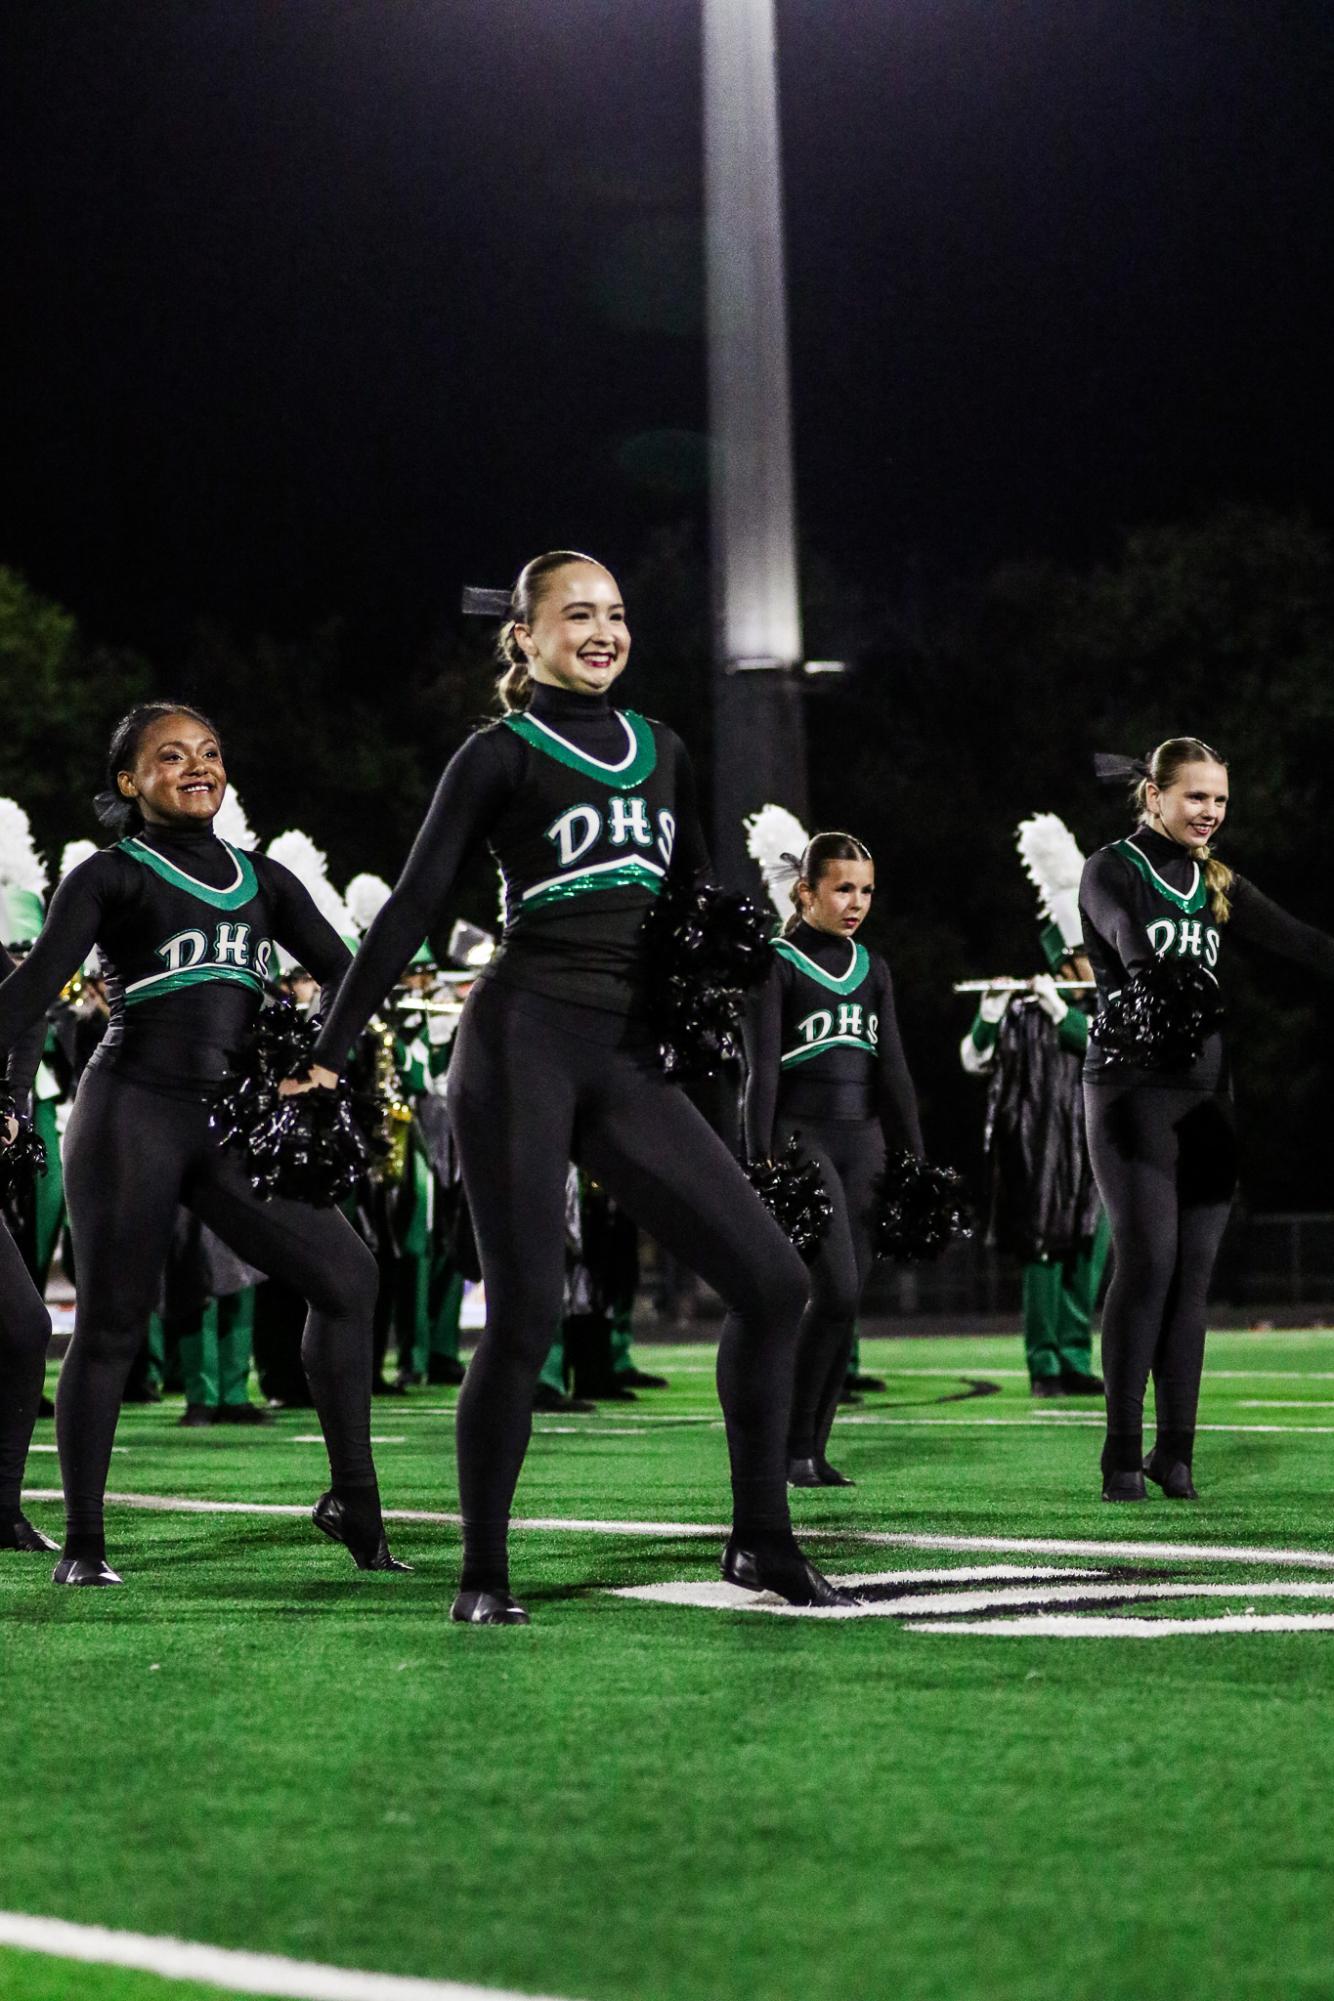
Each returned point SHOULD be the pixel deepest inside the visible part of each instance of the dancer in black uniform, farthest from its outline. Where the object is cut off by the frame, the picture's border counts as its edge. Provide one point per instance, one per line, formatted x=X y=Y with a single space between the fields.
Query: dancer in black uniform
x=1162 y=1142
x=825 y=1063
x=25 y=1327
x=186 y=927
x=585 y=808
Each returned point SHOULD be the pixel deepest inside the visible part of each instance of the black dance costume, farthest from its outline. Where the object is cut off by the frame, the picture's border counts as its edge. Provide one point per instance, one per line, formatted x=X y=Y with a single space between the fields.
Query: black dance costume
x=585 y=808
x=1163 y=1144
x=186 y=927
x=825 y=1062
x=25 y=1331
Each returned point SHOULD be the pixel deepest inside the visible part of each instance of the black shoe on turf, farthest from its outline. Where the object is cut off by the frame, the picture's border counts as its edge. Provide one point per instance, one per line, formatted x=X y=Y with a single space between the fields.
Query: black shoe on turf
x=830 y=1475
x=445 y=1369
x=196 y=1415
x=1172 y=1475
x=382 y=1387
x=804 y=1473
x=791 y=1576
x=46 y=1408
x=243 y=1413
x=487 y=1608
x=547 y=1399
x=846 y=1395
x=21 y=1535
x=639 y=1379
x=1049 y=1386
x=84 y=1570
x=368 y=1552
x=1123 y=1487
x=1079 y=1383
x=868 y=1385
x=145 y=1393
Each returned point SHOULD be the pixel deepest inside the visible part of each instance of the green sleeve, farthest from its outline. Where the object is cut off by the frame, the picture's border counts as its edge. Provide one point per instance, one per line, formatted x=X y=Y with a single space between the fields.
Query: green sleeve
x=985 y=1033
x=1073 y=1029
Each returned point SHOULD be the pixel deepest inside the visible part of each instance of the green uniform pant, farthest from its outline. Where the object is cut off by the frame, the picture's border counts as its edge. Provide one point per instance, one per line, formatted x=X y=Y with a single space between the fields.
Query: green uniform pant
x=215 y=1359
x=1060 y=1295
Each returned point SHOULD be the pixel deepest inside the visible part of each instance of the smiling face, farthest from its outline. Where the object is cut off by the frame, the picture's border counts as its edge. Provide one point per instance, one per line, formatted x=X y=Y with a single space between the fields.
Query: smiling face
x=840 y=899
x=1193 y=807
x=578 y=639
x=178 y=778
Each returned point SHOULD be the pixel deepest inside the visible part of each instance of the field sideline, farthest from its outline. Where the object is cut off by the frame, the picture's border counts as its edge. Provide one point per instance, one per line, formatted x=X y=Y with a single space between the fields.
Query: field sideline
x=987 y=1786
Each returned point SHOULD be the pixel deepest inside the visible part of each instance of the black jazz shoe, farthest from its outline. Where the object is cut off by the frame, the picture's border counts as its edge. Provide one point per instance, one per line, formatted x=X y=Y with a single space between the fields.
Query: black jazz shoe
x=369 y=1552
x=1123 y=1486
x=1172 y=1475
x=487 y=1608
x=84 y=1570
x=789 y=1575
x=20 y=1534
x=804 y=1473
x=830 y=1475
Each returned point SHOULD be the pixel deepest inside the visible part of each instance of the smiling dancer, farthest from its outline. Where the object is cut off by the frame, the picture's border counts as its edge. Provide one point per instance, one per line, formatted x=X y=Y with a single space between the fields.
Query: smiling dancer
x=1162 y=1141
x=186 y=926
x=825 y=1063
x=585 y=808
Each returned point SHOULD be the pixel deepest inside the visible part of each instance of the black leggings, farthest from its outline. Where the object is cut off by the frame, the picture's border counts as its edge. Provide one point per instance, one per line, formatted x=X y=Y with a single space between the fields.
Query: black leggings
x=534 y=1084
x=1166 y=1167
x=25 y=1330
x=131 y=1156
x=851 y=1154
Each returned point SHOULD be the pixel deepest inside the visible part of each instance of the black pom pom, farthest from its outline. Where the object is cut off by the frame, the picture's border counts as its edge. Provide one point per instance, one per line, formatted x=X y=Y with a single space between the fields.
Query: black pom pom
x=792 y=1190
x=920 y=1209
x=310 y=1147
x=706 y=948
x=24 y=1159
x=1162 y=1016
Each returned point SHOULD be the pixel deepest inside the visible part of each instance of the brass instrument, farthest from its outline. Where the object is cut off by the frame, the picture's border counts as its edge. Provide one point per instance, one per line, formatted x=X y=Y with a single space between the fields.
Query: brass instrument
x=396 y=1119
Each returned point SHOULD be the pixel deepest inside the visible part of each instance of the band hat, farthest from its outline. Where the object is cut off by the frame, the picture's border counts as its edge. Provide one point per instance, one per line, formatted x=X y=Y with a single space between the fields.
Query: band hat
x=1054 y=864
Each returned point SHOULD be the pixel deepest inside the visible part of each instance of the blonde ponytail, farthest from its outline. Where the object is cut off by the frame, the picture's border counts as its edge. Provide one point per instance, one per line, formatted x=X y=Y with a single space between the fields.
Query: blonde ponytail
x=514 y=687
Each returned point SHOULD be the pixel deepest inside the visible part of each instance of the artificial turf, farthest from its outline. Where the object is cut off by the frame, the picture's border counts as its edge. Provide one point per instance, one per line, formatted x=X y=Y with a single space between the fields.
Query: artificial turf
x=252 y=1745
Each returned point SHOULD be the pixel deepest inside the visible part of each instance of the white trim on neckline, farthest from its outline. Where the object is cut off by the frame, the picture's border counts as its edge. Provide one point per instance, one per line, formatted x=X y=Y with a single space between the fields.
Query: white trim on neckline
x=577 y=750
x=214 y=889
x=1178 y=895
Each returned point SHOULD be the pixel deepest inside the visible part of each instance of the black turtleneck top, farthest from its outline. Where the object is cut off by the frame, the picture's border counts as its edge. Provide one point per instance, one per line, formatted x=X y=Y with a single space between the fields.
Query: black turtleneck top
x=184 y=926
x=585 y=808
x=1145 y=897
x=822 y=1043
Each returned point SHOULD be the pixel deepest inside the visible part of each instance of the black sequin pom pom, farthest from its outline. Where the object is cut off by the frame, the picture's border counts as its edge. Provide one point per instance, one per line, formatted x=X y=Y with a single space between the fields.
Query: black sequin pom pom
x=706 y=949
x=310 y=1147
x=792 y=1190
x=24 y=1159
x=920 y=1209
x=1161 y=1017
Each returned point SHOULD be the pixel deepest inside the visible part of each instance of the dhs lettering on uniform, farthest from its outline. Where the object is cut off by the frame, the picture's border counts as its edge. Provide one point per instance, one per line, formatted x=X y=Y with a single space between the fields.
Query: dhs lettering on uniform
x=231 y=945
x=628 y=823
x=1184 y=938
x=852 y=1023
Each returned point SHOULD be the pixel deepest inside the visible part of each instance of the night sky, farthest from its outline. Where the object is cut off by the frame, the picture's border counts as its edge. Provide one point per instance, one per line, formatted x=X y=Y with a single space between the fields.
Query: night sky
x=334 y=305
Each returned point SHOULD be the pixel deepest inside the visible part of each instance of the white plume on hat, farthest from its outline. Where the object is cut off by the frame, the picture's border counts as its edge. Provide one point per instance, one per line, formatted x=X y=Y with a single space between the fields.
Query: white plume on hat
x=367 y=896
x=230 y=823
x=21 y=867
x=1054 y=862
x=773 y=836
x=297 y=852
x=73 y=853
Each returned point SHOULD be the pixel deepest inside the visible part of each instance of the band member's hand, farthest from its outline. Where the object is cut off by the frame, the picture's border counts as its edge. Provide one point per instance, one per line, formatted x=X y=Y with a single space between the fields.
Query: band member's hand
x=319 y=1079
x=995 y=1002
x=1044 y=991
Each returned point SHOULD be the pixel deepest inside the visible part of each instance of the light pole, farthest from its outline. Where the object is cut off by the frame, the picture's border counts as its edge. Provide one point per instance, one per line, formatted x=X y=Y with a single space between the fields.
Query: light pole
x=759 y=728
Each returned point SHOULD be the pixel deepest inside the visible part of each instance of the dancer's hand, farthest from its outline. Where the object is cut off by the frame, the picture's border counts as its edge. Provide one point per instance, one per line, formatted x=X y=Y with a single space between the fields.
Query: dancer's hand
x=319 y=1079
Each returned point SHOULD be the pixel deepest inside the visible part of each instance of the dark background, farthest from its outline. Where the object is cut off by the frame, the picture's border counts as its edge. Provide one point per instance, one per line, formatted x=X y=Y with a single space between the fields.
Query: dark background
x=322 y=310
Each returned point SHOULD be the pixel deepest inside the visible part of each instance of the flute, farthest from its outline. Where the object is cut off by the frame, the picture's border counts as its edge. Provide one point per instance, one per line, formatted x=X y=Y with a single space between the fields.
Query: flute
x=1010 y=986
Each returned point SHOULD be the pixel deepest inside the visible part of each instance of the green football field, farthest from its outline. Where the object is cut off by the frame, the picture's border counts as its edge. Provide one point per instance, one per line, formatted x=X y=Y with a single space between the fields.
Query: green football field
x=1068 y=1751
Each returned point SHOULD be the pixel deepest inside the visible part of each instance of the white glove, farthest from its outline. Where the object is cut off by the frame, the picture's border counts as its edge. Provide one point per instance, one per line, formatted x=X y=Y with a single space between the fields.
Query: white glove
x=1044 y=992
x=994 y=1004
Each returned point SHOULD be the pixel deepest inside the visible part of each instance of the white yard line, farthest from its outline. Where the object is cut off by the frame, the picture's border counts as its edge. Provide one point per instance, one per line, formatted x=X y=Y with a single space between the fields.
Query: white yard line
x=237 y=1972
x=1075 y=1626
